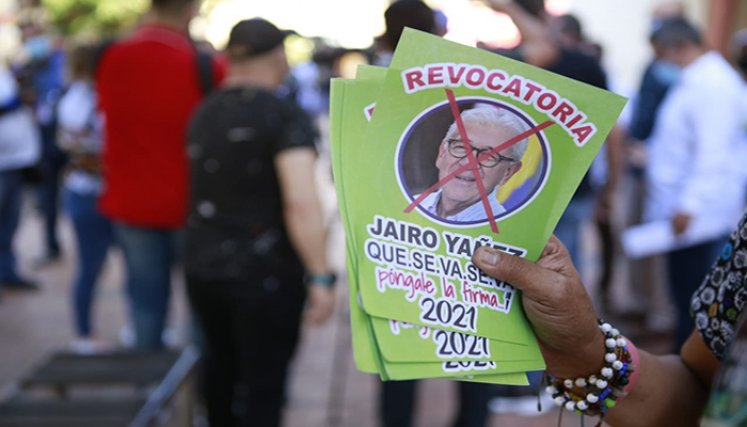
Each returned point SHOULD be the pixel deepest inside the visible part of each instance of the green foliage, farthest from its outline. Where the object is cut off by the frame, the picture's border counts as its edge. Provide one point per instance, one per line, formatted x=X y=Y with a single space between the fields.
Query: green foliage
x=97 y=17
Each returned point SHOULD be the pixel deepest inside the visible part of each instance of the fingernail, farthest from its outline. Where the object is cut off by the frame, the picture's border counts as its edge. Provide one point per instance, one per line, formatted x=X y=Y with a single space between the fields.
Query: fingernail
x=488 y=257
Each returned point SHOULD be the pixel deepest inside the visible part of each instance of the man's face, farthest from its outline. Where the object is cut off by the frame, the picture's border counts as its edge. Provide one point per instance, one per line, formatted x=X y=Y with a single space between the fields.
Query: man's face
x=462 y=190
x=676 y=55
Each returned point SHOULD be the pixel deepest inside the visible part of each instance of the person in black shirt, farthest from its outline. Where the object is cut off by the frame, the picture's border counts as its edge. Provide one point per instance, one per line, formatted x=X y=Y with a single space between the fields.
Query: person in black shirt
x=255 y=233
x=542 y=46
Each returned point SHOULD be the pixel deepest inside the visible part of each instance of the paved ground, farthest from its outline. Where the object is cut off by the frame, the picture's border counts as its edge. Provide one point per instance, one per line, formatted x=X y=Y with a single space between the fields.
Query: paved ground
x=325 y=391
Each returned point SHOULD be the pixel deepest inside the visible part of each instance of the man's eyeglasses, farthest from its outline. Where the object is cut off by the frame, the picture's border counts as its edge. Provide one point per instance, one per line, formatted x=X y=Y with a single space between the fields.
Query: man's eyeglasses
x=457 y=149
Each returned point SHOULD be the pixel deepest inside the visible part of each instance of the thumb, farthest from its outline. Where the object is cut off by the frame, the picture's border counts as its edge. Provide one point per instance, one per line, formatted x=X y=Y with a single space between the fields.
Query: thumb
x=527 y=276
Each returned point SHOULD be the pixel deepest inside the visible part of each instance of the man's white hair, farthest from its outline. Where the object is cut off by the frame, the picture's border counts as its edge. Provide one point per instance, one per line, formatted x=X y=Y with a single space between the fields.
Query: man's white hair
x=498 y=119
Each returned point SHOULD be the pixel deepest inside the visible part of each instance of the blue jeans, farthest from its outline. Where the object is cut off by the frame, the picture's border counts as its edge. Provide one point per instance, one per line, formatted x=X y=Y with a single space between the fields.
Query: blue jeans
x=569 y=227
x=149 y=254
x=93 y=235
x=11 y=184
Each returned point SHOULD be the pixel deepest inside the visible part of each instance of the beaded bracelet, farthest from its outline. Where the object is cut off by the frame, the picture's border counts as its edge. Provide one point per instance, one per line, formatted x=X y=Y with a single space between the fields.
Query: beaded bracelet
x=599 y=392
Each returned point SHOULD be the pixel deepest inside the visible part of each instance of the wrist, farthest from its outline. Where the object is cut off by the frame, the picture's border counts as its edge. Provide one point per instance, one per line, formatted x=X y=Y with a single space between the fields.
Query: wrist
x=594 y=353
x=325 y=280
x=597 y=393
x=585 y=358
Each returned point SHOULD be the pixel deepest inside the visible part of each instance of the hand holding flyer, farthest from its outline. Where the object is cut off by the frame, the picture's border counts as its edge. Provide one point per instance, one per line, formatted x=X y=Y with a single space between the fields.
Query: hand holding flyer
x=464 y=148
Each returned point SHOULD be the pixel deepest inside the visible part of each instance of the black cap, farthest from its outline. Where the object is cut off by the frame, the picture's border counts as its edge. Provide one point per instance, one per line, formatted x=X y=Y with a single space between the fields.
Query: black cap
x=407 y=13
x=674 y=31
x=252 y=37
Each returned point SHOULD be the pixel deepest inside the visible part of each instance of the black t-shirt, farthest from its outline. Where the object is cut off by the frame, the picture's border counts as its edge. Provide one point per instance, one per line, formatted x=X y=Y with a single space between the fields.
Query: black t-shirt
x=579 y=66
x=235 y=229
x=571 y=63
x=584 y=68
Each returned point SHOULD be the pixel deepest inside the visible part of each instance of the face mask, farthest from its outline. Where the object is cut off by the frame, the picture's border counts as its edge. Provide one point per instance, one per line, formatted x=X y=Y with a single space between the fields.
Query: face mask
x=666 y=72
x=38 y=46
x=655 y=25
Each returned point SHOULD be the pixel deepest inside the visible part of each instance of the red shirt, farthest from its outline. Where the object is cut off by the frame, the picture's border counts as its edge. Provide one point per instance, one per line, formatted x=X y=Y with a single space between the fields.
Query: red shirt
x=148 y=86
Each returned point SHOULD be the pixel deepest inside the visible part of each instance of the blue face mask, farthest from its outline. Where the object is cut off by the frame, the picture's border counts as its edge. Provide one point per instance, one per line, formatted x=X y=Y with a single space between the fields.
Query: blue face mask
x=655 y=25
x=666 y=72
x=38 y=46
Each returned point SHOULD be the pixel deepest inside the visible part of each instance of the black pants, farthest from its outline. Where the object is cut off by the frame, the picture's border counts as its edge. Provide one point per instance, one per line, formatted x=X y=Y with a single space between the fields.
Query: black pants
x=250 y=333
x=687 y=269
x=53 y=162
x=398 y=404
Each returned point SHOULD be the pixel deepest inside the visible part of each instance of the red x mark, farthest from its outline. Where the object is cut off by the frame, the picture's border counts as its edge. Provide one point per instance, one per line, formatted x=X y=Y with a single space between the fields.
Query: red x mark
x=473 y=162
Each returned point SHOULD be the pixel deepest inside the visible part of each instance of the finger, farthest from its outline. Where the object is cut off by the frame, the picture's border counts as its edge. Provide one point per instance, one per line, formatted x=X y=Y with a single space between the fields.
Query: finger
x=532 y=279
x=554 y=246
x=555 y=257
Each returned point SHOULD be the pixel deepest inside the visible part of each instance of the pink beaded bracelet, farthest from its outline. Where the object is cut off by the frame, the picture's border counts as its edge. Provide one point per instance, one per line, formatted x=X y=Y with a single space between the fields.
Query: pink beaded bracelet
x=636 y=360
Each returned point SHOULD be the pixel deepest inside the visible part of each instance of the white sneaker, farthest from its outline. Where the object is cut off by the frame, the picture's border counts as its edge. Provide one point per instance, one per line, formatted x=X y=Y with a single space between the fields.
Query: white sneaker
x=169 y=337
x=126 y=337
x=499 y=405
x=525 y=406
x=88 y=346
x=548 y=404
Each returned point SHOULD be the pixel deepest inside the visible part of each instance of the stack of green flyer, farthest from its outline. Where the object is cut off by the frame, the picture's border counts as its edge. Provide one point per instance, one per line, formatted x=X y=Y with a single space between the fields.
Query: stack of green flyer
x=449 y=149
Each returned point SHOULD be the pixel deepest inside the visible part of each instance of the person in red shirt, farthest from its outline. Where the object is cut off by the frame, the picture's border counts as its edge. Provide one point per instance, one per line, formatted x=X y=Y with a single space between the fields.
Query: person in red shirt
x=149 y=83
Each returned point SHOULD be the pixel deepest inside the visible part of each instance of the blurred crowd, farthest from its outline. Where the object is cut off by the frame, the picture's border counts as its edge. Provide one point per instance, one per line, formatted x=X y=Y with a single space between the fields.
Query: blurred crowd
x=177 y=154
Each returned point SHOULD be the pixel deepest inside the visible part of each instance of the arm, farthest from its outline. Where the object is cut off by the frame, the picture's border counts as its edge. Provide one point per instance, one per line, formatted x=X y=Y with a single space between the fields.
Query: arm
x=614 y=155
x=537 y=45
x=615 y=159
x=671 y=389
x=304 y=221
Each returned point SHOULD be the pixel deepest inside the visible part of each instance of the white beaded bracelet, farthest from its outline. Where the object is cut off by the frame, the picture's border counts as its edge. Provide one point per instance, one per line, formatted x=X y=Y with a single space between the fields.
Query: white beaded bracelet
x=600 y=391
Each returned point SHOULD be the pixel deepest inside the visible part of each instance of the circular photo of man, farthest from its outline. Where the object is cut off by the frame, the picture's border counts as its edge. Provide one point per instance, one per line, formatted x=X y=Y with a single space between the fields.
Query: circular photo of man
x=494 y=166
